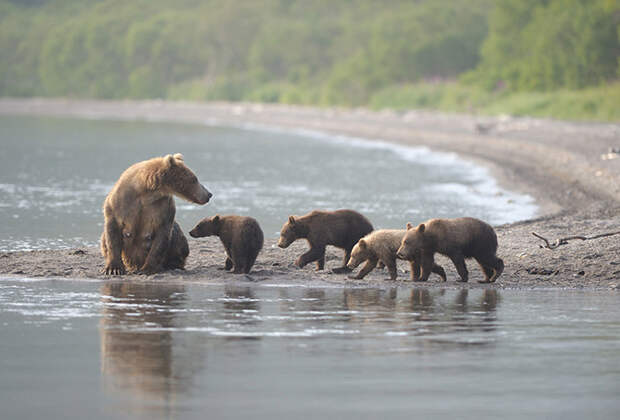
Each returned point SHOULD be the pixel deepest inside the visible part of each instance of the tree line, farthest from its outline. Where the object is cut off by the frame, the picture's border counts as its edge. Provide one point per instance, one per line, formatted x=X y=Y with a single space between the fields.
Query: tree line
x=302 y=51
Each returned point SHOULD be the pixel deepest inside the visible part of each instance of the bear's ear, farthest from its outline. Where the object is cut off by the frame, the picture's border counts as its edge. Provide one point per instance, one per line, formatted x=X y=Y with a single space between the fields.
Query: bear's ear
x=178 y=156
x=409 y=226
x=216 y=219
x=169 y=159
x=362 y=244
x=291 y=220
x=421 y=228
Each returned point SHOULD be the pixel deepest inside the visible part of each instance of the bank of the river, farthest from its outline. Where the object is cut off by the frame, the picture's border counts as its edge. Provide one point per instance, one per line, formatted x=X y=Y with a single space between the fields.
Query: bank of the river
x=570 y=168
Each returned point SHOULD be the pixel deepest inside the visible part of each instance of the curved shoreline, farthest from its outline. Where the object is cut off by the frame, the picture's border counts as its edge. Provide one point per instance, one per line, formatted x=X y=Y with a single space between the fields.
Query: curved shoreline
x=566 y=166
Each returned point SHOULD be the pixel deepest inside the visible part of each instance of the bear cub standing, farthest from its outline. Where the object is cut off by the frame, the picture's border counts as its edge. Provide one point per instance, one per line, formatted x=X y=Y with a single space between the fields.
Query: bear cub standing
x=140 y=234
x=241 y=236
x=381 y=246
x=340 y=228
x=458 y=239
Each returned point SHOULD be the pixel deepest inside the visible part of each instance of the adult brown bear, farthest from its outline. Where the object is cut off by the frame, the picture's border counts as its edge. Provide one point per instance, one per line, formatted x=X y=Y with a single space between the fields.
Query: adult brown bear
x=140 y=234
x=458 y=239
x=340 y=228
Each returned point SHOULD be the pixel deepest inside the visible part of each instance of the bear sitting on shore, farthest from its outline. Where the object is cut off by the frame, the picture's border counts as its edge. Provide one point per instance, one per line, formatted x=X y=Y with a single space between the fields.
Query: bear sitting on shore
x=140 y=234
x=458 y=239
x=241 y=236
x=340 y=228
x=381 y=246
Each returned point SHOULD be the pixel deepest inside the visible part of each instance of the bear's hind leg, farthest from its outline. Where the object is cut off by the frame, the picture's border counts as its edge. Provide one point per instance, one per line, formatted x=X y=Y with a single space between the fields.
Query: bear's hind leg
x=498 y=270
x=250 y=260
x=491 y=266
x=238 y=260
x=488 y=273
x=178 y=249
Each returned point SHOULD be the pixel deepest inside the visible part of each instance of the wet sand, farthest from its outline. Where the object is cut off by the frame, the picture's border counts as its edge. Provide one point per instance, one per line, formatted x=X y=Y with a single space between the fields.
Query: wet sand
x=566 y=166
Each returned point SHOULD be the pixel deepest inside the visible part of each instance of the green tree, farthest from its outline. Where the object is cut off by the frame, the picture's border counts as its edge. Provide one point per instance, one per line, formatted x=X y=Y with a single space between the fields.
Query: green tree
x=549 y=44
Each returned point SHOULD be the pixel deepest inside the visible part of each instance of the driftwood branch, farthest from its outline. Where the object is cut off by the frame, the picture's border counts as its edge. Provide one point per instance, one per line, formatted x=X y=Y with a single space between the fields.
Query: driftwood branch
x=564 y=241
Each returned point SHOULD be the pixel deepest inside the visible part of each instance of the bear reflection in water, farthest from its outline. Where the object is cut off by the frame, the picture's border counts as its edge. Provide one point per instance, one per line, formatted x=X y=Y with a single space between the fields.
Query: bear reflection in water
x=149 y=353
x=425 y=313
x=138 y=350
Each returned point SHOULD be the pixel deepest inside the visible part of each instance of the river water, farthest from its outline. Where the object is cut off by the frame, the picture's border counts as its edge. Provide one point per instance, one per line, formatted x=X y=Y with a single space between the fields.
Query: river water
x=237 y=349
x=55 y=174
x=106 y=349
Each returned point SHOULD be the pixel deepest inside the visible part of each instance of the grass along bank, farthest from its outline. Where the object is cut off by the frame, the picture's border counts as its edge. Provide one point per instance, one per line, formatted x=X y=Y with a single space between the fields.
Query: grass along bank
x=591 y=104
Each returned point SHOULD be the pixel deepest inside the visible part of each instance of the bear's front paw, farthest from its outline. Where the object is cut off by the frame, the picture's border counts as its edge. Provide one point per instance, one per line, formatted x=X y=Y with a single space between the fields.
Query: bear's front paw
x=299 y=263
x=114 y=269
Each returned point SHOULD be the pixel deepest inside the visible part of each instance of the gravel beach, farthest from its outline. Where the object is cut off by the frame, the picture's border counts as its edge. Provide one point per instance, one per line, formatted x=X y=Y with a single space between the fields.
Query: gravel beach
x=571 y=169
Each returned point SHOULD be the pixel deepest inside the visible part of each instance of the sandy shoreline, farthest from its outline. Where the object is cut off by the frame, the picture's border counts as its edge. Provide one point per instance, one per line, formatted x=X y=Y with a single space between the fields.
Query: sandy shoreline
x=565 y=166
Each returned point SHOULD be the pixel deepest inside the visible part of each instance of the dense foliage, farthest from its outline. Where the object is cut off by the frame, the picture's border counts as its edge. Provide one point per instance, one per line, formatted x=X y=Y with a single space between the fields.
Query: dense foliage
x=539 y=45
x=302 y=51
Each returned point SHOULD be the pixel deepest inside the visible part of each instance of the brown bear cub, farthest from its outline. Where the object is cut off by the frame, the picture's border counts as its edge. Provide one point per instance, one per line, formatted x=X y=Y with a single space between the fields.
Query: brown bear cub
x=340 y=228
x=241 y=236
x=381 y=246
x=140 y=234
x=458 y=239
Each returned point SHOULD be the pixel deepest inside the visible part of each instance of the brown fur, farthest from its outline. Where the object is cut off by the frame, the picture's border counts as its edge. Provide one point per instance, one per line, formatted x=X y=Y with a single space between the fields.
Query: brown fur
x=458 y=239
x=340 y=228
x=241 y=236
x=381 y=245
x=140 y=234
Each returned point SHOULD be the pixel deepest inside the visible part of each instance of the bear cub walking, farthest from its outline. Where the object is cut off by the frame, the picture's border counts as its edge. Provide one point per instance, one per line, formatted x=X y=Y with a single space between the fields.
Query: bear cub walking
x=241 y=236
x=458 y=239
x=340 y=228
x=381 y=246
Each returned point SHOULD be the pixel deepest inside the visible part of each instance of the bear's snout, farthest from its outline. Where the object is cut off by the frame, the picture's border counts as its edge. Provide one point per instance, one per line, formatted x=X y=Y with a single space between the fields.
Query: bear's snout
x=204 y=195
x=194 y=232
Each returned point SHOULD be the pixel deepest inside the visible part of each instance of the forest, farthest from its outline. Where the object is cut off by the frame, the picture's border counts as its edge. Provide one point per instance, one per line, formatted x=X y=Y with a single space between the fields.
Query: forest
x=552 y=58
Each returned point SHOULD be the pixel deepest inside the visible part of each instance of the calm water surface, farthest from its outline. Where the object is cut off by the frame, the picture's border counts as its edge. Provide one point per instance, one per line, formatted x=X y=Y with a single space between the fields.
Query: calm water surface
x=55 y=174
x=237 y=350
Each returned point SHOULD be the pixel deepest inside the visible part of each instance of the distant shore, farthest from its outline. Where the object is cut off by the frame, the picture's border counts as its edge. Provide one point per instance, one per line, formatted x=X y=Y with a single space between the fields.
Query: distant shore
x=572 y=170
